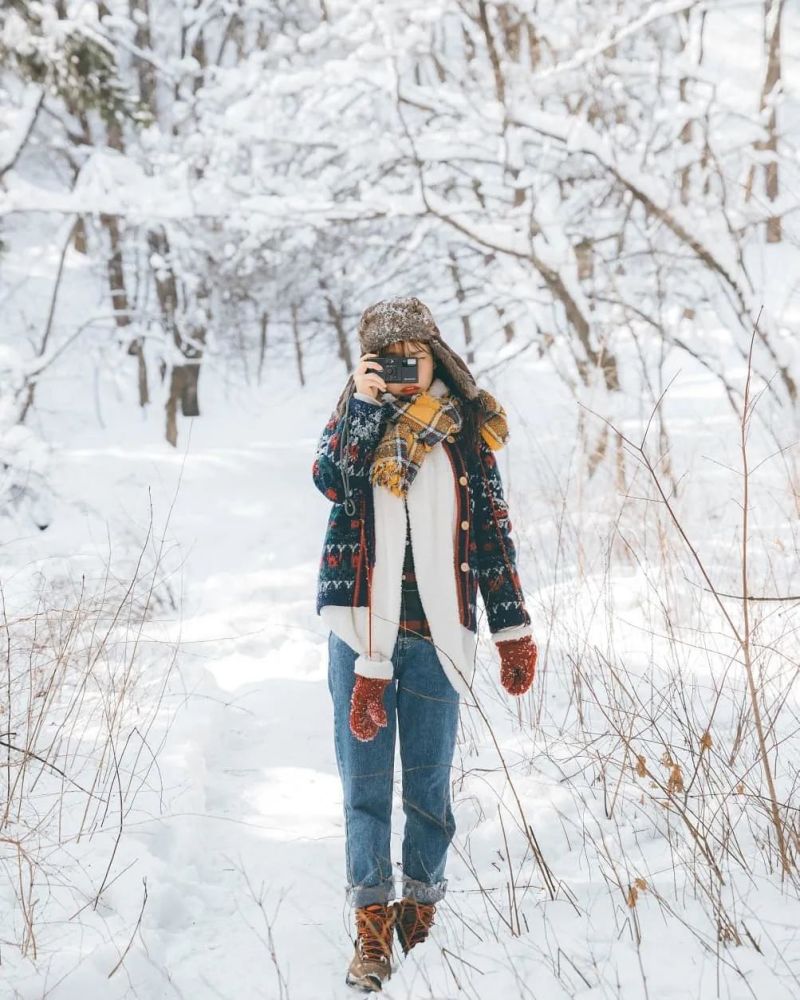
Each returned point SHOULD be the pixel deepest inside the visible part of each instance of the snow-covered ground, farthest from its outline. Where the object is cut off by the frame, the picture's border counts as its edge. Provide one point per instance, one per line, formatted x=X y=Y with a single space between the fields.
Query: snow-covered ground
x=227 y=880
x=174 y=823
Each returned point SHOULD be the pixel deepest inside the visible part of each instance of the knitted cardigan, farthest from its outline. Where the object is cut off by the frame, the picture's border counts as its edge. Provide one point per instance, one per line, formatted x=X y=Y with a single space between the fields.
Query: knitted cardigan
x=483 y=554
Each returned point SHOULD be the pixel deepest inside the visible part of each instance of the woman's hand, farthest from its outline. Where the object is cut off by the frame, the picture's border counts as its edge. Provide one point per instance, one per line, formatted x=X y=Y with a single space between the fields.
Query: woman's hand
x=366 y=381
x=367 y=713
x=517 y=663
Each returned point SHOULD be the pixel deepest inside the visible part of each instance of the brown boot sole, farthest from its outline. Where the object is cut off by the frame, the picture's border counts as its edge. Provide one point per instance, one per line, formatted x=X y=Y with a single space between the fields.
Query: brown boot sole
x=368 y=980
x=366 y=984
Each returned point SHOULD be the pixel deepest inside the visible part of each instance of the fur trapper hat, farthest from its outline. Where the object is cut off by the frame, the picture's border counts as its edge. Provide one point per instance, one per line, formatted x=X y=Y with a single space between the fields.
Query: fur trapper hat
x=406 y=318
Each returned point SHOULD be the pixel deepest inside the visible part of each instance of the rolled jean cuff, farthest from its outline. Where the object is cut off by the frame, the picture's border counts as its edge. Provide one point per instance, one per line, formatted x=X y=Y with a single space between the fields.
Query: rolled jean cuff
x=424 y=892
x=363 y=895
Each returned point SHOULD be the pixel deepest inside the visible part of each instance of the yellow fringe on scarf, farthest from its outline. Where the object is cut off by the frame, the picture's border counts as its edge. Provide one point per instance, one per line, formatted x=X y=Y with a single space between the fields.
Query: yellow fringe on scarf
x=385 y=473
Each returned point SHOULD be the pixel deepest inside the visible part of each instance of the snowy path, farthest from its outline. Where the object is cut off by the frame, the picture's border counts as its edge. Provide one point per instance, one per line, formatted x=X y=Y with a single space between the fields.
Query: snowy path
x=244 y=859
x=254 y=813
x=248 y=855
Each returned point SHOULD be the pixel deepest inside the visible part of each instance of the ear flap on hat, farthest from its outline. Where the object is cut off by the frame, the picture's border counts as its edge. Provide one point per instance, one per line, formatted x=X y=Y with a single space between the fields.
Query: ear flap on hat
x=455 y=366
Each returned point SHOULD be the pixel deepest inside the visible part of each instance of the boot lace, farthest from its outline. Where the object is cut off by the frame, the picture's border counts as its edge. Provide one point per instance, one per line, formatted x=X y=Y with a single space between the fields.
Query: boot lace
x=374 y=926
x=415 y=920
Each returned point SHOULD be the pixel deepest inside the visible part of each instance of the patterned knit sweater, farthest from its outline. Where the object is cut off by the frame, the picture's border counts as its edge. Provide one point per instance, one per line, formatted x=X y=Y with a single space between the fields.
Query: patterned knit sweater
x=485 y=556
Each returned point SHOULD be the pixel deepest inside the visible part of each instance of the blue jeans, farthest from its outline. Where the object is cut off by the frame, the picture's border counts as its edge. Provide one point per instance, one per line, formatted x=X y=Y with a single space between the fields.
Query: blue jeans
x=422 y=705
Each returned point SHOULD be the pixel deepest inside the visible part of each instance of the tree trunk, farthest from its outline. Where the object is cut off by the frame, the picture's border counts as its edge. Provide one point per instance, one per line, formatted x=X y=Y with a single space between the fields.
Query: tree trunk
x=262 y=344
x=183 y=377
x=298 y=347
x=772 y=13
x=773 y=10
x=140 y=16
x=341 y=334
x=175 y=392
x=466 y=325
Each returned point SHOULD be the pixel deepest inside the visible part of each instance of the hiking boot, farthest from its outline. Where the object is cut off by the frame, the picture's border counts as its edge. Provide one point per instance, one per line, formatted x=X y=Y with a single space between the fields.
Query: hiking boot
x=412 y=921
x=372 y=962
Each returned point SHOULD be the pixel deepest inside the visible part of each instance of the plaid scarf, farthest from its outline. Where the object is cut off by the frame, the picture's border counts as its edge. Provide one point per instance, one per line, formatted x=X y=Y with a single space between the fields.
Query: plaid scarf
x=415 y=425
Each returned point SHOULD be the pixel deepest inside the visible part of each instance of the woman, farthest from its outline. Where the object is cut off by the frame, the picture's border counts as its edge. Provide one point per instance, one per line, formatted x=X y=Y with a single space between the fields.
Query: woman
x=419 y=524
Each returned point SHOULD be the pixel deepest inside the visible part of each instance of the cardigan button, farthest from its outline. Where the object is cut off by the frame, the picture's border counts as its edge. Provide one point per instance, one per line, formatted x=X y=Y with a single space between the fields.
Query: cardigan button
x=464 y=567
x=465 y=524
x=462 y=480
x=450 y=438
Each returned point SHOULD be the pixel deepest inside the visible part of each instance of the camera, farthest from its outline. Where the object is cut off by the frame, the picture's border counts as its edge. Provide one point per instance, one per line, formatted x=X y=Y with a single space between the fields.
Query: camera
x=398 y=369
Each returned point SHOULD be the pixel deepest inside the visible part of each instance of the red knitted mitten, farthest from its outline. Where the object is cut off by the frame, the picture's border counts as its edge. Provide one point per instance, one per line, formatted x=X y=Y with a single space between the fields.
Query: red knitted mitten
x=517 y=663
x=367 y=713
